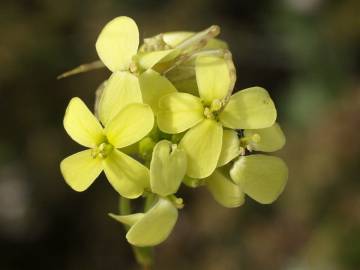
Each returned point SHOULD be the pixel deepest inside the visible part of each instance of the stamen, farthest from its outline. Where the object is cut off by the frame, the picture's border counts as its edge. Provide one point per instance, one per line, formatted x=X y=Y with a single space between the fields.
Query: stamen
x=178 y=202
x=133 y=67
x=208 y=113
x=242 y=151
x=102 y=151
x=249 y=142
x=173 y=147
x=216 y=105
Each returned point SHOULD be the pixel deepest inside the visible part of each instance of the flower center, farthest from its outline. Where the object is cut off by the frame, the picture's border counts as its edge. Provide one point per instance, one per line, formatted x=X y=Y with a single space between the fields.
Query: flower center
x=212 y=111
x=208 y=113
x=249 y=141
x=102 y=150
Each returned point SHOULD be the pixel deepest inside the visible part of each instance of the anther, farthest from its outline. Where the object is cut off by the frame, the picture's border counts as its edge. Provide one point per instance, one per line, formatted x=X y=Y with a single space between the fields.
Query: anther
x=216 y=105
x=208 y=113
x=102 y=151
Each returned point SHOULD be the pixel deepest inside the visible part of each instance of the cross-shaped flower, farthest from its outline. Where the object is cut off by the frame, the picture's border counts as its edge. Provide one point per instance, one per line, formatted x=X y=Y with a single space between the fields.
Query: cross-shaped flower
x=206 y=116
x=132 y=122
x=150 y=228
x=261 y=177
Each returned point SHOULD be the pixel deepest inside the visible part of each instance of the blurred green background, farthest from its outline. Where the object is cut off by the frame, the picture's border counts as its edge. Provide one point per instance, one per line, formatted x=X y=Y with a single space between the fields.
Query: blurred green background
x=305 y=52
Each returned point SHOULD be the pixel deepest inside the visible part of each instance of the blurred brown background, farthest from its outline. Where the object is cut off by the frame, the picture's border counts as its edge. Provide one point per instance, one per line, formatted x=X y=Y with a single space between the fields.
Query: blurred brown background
x=305 y=52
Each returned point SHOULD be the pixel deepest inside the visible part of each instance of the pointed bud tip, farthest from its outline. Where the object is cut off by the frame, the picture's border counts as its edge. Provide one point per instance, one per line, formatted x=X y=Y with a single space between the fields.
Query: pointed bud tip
x=214 y=30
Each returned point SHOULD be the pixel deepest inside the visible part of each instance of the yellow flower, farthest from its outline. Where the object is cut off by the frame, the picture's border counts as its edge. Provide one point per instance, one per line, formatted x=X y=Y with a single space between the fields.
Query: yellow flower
x=261 y=177
x=205 y=117
x=117 y=47
x=150 y=228
x=127 y=176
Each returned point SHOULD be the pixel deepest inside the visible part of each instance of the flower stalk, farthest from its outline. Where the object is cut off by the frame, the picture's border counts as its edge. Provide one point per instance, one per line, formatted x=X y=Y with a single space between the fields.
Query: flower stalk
x=144 y=255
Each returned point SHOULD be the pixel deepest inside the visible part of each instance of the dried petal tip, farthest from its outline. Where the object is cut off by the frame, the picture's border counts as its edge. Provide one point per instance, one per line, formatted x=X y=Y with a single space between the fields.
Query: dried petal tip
x=214 y=30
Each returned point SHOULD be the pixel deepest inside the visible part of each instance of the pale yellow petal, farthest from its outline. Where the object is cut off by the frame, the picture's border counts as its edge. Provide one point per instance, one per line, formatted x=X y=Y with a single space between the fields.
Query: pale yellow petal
x=179 y=112
x=202 y=145
x=224 y=191
x=261 y=177
x=149 y=59
x=98 y=93
x=184 y=79
x=121 y=89
x=118 y=43
x=230 y=147
x=267 y=139
x=213 y=78
x=127 y=176
x=153 y=86
x=167 y=168
x=130 y=125
x=129 y=220
x=81 y=169
x=216 y=43
x=81 y=125
x=251 y=108
x=155 y=226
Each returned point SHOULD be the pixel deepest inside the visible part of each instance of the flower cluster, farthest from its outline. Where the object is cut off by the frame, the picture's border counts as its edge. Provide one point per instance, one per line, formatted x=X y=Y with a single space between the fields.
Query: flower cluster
x=167 y=116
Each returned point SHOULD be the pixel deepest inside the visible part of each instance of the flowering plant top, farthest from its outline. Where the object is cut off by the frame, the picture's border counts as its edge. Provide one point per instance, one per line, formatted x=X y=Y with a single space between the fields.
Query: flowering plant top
x=168 y=116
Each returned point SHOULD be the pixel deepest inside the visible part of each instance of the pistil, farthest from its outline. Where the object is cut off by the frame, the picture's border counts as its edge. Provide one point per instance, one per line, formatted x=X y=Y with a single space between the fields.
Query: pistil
x=102 y=151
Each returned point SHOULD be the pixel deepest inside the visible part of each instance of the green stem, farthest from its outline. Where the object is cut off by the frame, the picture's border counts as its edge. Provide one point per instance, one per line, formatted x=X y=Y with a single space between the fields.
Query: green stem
x=82 y=68
x=143 y=255
x=149 y=201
